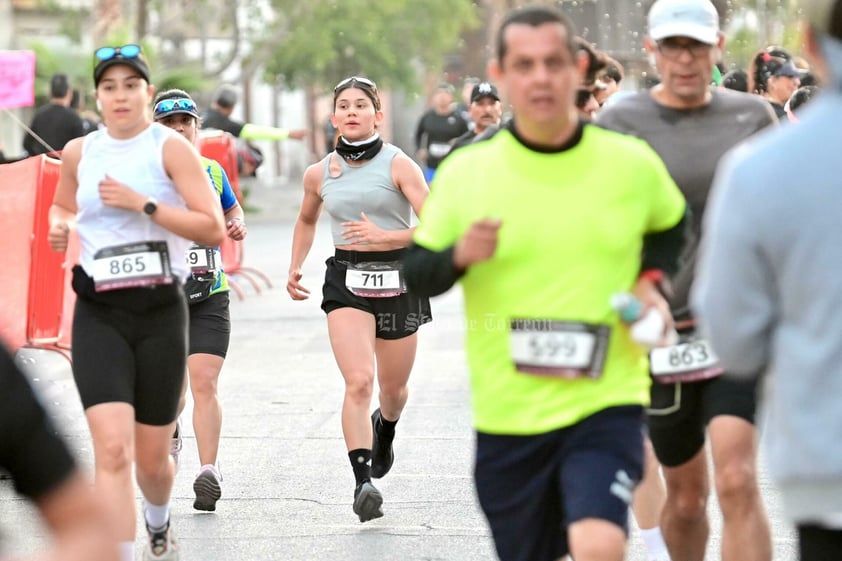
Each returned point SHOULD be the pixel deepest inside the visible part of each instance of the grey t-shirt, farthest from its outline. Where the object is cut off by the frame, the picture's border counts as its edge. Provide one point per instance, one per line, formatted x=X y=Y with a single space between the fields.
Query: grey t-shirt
x=690 y=142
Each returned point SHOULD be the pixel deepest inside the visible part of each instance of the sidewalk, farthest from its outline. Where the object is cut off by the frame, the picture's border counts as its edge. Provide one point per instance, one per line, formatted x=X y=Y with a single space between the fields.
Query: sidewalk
x=288 y=487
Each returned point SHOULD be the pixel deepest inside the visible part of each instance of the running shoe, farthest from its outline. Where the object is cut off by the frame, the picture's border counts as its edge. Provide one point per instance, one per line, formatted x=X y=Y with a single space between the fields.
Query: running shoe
x=382 y=454
x=177 y=443
x=161 y=546
x=367 y=502
x=207 y=488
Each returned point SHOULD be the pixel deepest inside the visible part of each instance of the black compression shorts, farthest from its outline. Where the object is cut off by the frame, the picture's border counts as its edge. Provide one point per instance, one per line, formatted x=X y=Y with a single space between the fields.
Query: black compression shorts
x=396 y=317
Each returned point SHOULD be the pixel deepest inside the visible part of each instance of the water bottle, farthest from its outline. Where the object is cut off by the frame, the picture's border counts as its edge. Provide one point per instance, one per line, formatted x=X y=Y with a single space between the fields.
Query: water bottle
x=646 y=329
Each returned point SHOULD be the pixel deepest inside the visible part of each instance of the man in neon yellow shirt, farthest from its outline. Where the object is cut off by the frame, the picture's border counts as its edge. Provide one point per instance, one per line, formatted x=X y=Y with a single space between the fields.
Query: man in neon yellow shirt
x=541 y=233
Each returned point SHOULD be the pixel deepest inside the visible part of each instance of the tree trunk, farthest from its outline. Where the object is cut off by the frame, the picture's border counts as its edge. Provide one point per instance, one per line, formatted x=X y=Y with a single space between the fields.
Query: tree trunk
x=142 y=19
x=107 y=17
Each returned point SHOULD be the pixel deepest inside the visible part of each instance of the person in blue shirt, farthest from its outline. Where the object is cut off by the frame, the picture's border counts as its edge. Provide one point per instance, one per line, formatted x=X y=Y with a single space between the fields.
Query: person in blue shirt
x=207 y=296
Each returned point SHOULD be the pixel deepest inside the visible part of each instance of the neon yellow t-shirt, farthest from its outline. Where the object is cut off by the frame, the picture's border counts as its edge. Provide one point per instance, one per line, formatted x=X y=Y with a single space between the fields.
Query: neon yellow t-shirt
x=572 y=235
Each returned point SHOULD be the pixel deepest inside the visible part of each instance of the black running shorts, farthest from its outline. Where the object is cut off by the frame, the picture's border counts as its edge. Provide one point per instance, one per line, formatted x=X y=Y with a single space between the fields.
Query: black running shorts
x=210 y=325
x=137 y=355
x=679 y=413
x=396 y=317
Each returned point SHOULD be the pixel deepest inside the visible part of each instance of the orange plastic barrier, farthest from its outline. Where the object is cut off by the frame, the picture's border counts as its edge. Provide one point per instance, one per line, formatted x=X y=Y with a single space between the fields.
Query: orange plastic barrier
x=18 y=191
x=46 y=285
x=221 y=146
x=71 y=256
x=33 y=277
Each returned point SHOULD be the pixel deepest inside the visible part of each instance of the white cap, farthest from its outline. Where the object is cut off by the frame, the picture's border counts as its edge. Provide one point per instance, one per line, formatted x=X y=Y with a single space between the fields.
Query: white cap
x=696 y=19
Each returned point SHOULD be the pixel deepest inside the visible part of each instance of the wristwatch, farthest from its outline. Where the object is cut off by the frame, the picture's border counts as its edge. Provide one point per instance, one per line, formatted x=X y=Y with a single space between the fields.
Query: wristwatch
x=151 y=206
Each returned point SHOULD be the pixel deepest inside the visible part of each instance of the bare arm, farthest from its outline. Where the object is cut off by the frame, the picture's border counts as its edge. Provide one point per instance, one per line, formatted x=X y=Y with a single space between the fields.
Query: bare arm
x=202 y=222
x=305 y=230
x=63 y=210
x=235 y=222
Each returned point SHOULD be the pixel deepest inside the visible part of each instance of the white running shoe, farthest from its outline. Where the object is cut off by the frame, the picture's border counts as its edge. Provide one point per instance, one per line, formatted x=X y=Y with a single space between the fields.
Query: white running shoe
x=177 y=443
x=161 y=545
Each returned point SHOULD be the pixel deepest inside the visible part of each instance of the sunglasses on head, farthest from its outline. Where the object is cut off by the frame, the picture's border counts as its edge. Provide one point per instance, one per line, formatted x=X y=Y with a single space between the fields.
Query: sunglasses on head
x=126 y=51
x=356 y=79
x=167 y=105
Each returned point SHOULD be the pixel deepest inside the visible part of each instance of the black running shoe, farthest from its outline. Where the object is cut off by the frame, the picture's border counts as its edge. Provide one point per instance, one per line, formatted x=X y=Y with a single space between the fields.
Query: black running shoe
x=207 y=488
x=382 y=454
x=367 y=502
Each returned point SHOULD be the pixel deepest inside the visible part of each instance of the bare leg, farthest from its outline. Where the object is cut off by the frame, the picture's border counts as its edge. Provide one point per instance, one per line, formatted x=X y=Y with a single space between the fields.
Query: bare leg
x=352 y=338
x=648 y=503
x=650 y=495
x=684 y=521
x=204 y=372
x=112 y=429
x=592 y=539
x=394 y=364
x=155 y=467
x=745 y=527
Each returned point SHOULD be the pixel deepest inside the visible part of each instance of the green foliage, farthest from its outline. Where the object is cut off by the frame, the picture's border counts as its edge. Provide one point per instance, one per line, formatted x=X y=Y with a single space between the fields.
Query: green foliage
x=321 y=41
x=778 y=24
x=189 y=78
x=741 y=47
x=77 y=63
x=49 y=61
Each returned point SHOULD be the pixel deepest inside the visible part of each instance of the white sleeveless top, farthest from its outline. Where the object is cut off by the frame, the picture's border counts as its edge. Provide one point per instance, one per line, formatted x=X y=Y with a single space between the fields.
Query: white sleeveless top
x=137 y=162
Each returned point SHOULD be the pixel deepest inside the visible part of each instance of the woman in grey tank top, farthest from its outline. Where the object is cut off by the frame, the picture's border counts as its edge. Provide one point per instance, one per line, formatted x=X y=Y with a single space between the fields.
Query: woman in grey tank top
x=369 y=189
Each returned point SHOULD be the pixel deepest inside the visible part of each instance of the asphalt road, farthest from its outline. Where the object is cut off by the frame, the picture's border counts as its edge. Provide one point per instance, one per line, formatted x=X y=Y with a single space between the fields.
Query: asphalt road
x=287 y=487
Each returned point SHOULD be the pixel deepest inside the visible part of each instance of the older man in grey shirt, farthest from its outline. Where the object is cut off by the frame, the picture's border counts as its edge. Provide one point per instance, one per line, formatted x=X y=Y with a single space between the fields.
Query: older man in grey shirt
x=769 y=293
x=691 y=125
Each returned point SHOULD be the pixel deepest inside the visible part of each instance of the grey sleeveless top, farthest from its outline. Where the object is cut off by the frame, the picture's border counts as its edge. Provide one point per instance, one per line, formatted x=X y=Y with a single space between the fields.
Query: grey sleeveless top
x=367 y=188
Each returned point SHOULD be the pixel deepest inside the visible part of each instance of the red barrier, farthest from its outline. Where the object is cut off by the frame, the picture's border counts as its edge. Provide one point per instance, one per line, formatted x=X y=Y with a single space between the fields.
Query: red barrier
x=71 y=257
x=46 y=285
x=33 y=278
x=221 y=146
x=18 y=191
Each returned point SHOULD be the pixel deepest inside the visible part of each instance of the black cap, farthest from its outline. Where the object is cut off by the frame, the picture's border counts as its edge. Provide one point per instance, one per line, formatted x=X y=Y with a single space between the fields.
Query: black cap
x=138 y=63
x=484 y=89
x=783 y=68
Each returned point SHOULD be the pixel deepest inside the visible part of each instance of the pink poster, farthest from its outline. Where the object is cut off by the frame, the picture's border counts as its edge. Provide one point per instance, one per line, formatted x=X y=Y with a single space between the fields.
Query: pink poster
x=17 y=79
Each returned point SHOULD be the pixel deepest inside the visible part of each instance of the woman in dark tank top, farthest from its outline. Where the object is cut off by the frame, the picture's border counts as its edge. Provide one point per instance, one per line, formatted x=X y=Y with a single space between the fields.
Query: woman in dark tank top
x=369 y=190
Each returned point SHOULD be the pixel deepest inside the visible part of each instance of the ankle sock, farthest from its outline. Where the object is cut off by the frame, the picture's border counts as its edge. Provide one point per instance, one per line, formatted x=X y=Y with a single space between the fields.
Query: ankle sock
x=654 y=542
x=386 y=428
x=361 y=464
x=157 y=516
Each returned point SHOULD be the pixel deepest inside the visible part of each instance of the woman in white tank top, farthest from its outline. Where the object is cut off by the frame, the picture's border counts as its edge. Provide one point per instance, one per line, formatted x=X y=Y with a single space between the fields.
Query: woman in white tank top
x=137 y=193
